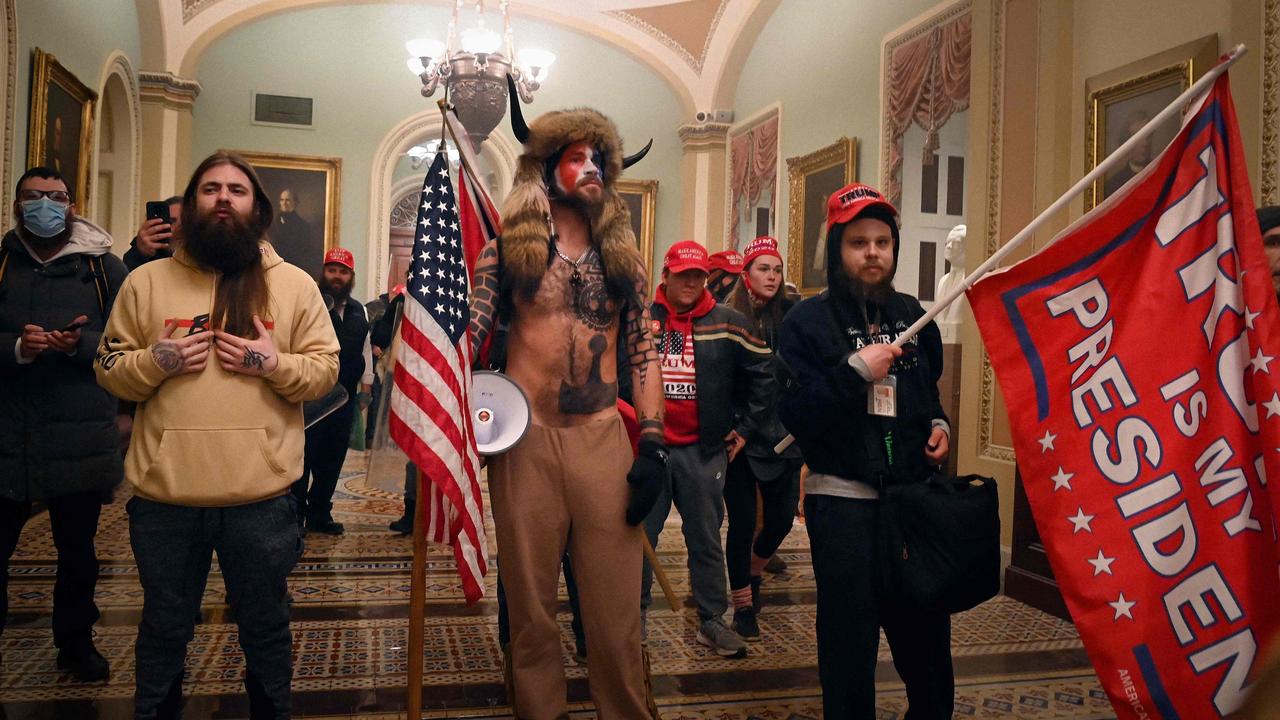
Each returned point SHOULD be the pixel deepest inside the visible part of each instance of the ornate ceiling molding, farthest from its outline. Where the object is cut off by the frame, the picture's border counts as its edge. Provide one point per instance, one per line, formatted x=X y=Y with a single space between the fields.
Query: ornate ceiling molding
x=696 y=63
x=191 y=8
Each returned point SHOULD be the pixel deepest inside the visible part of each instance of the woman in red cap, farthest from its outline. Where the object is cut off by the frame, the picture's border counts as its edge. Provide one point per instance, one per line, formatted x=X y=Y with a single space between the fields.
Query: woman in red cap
x=761 y=297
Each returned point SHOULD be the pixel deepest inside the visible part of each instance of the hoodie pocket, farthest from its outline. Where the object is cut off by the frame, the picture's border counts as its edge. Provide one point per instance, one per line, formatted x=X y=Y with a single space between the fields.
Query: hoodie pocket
x=214 y=467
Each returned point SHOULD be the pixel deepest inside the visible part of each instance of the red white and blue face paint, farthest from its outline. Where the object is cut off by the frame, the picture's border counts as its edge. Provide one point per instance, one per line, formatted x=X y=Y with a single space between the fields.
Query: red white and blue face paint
x=579 y=173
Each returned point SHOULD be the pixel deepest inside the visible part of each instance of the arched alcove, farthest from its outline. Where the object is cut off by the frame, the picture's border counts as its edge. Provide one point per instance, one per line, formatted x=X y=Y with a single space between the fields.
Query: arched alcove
x=117 y=160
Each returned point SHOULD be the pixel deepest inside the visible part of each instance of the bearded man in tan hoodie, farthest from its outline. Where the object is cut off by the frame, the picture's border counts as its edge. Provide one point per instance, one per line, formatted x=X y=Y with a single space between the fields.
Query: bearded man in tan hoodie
x=219 y=346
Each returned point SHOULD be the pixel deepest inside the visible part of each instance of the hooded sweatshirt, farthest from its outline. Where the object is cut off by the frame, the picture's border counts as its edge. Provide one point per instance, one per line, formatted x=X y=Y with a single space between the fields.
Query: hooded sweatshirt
x=679 y=381
x=215 y=438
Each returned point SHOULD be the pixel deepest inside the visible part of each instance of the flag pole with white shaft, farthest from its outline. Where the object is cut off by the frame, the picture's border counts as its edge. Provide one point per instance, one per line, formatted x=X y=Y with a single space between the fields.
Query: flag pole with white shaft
x=1199 y=88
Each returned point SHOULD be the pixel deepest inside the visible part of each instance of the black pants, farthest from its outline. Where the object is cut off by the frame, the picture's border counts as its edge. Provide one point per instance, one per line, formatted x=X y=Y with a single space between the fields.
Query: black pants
x=842 y=539
x=327 y=443
x=257 y=545
x=779 y=496
x=74 y=521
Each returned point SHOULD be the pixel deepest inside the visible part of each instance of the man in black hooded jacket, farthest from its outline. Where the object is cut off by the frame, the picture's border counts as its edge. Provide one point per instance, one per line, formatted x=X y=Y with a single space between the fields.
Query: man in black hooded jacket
x=834 y=354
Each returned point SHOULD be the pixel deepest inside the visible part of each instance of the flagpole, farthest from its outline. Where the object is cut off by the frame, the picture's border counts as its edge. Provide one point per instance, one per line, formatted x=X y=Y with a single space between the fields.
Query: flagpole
x=417 y=604
x=466 y=152
x=1201 y=86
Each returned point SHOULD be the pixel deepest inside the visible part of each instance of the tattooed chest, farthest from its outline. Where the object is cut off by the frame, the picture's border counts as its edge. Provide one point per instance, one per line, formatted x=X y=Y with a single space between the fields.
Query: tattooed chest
x=579 y=289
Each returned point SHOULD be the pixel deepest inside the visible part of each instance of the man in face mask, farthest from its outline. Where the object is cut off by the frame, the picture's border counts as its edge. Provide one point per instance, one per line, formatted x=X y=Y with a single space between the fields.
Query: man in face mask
x=327 y=440
x=58 y=442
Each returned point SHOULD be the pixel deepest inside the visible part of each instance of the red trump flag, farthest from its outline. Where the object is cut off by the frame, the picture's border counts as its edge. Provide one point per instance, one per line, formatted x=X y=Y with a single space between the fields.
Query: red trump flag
x=1138 y=356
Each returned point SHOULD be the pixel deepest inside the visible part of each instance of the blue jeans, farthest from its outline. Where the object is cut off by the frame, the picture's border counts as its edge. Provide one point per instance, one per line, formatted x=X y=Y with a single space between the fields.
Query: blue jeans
x=257 y=544
x=695 y=482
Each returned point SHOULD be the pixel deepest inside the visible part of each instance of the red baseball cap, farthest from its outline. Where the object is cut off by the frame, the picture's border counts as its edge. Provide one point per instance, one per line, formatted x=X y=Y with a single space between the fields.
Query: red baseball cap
x=341 y=256
x=728 y=260
x=849 y=201
x=686 y=255
x=763 y=245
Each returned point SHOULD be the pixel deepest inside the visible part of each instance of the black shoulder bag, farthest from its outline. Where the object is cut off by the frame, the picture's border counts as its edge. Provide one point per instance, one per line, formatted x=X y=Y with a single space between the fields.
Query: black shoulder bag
x=939 y=538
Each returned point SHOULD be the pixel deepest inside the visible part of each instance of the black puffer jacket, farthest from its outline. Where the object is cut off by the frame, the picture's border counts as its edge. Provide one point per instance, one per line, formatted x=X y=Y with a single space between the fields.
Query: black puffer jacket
x=57 y=426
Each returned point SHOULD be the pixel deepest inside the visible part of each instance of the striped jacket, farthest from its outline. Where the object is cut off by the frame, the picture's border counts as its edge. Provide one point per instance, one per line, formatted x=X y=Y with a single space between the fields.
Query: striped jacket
x=733 y=369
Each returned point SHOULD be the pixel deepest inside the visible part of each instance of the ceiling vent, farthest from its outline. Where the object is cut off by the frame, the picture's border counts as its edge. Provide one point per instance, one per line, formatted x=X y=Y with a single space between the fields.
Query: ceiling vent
x=282 y=110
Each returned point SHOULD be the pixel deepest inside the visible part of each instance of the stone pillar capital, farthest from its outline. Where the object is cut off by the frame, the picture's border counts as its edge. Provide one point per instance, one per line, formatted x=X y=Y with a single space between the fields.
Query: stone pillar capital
x=703 y=137
x=167 y=89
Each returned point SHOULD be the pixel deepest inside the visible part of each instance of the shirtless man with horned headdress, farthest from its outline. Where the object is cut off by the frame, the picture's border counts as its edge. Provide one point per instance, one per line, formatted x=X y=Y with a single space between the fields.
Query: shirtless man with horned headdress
x=568 y=279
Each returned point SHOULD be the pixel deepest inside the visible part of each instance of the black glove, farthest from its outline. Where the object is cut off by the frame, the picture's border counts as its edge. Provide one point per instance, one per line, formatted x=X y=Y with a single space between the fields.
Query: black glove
x=645 y=478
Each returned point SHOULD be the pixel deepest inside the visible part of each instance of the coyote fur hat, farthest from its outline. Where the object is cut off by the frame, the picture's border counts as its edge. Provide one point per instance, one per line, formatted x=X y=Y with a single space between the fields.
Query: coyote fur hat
x=526 y=229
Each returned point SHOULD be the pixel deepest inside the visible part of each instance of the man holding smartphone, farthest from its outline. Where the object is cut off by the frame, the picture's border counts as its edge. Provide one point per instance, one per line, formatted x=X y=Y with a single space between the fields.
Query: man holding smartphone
x=156 y=233
x=58 y=443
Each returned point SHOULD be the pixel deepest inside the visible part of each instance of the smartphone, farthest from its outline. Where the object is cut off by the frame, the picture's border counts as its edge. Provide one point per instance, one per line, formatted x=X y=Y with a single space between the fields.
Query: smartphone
x=159 y=209
x=75 y=325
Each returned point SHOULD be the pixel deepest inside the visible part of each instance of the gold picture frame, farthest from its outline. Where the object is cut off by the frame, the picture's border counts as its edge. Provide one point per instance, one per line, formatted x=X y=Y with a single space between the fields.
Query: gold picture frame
x=60 y=125
x=811 y=179
x=641 y=197
x=1121 y=100
x=315 y=183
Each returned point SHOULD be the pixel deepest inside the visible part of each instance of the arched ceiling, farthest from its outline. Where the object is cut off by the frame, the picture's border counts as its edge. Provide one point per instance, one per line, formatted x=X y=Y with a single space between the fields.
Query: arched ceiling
x=696 y=46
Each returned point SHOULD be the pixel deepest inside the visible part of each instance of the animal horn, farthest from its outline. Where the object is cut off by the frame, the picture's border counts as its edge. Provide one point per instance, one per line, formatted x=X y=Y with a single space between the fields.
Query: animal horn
x=518 y=125
x=633 y=159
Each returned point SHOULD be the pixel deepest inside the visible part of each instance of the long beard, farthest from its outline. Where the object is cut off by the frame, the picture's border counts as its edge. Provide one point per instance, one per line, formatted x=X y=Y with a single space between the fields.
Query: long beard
x=341 y=292
x=227 y=245
x=877 y=293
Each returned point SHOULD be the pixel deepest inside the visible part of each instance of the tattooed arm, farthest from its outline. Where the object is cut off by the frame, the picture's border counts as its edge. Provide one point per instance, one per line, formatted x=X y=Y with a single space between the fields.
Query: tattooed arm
x=484 y=297
x=646 y=372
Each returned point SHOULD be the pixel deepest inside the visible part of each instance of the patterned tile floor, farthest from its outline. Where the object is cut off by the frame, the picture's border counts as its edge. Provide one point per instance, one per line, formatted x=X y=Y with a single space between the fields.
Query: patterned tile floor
x=350 y=597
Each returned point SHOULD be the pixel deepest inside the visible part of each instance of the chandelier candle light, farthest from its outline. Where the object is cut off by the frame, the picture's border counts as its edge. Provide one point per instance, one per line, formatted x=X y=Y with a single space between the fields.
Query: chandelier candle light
x=474 y=64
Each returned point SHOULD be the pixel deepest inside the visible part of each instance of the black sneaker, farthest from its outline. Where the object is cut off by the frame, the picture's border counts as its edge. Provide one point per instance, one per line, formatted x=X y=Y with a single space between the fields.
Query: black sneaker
x=744 y=623
x=776 y=565
x=755 y=592
x=404 y=526
x=84 y=663
x=326 y=526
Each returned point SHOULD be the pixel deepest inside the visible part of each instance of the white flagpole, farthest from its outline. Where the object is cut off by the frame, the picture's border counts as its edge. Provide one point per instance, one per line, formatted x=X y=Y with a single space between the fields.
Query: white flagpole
x=1201 y=86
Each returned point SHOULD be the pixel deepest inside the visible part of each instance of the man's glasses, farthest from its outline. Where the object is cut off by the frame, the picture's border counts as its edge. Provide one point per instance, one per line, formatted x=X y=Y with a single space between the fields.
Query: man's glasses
x=58 y=196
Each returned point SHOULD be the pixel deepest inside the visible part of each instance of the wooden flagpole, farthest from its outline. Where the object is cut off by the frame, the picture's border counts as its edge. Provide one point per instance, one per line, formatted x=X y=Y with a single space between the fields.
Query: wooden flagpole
x=417 y=605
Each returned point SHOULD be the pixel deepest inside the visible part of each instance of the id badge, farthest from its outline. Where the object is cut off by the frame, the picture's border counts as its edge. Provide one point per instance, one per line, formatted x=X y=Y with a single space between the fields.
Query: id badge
x=883 y=398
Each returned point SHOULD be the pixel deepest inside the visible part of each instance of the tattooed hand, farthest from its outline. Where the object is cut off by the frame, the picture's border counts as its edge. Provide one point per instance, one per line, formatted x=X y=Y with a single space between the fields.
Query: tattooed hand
x=183 y=355
x=247 y=357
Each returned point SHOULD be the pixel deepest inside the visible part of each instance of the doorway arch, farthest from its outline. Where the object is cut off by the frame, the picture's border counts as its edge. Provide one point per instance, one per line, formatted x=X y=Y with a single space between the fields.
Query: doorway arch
x=117 y=157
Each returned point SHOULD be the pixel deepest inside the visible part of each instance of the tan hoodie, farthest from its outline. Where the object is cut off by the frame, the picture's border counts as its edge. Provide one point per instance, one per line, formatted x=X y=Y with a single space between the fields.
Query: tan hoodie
x=215 y=438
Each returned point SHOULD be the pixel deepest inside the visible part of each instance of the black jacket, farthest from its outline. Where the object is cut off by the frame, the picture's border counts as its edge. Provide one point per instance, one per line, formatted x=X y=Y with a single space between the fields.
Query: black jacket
x=352 y=328
x=57 y=425
x=732 y=369
x=823 y=401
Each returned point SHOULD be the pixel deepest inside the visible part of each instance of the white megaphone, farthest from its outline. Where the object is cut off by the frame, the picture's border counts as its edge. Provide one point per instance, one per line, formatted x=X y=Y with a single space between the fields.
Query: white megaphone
x=499 y=412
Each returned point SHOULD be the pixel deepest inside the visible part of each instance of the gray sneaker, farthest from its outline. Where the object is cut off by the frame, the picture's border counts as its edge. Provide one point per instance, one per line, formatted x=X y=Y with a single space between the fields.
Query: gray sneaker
x=724 y=642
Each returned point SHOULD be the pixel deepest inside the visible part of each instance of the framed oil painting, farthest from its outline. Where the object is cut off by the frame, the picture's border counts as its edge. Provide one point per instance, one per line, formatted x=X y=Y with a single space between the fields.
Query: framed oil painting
x=1122 y=100
x=811 y=179
x=304 y=192
x=641 y=197
x=60 y=126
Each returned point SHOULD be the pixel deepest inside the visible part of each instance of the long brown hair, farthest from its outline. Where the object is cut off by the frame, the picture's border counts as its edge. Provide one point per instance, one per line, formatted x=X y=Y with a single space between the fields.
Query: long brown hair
x=242 y=294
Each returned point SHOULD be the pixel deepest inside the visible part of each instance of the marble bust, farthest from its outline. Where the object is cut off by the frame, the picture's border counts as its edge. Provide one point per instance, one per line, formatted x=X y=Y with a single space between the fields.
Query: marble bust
x=953 y=251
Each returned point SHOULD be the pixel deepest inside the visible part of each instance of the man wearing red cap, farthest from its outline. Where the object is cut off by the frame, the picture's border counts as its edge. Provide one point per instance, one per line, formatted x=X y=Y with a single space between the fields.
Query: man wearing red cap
x=327 y=440
x=866 y=415
x=710 y=363
x=726 y=266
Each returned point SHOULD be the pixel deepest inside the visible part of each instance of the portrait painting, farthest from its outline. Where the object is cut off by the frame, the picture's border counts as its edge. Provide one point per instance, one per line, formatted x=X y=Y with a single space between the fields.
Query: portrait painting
x=60 y=134
x=304 y=198
x=811 y=179
x=1122 y=101
x=641 y=197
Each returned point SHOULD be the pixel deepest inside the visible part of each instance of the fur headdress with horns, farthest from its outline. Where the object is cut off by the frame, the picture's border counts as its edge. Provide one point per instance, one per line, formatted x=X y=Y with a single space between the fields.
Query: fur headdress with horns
x=526 y=240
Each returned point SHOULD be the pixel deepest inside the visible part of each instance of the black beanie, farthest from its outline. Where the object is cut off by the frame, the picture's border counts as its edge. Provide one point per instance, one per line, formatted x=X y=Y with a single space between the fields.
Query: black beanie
x=1269 y=218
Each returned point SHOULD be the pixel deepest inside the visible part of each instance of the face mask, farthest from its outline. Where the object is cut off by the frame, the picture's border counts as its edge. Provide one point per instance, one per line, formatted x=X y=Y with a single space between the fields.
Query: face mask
x=44 y=217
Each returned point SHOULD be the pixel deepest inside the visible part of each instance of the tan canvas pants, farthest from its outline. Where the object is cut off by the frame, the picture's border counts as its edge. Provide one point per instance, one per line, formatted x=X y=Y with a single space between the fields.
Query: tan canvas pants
x=558 y=487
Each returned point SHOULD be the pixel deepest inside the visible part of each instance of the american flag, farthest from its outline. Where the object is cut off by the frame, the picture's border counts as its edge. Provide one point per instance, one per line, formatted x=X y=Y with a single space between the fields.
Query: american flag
x=430 y=417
